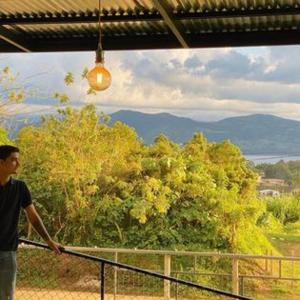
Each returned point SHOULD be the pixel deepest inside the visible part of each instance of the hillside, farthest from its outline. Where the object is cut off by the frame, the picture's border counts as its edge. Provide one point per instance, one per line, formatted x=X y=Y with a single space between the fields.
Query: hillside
x=254 y=134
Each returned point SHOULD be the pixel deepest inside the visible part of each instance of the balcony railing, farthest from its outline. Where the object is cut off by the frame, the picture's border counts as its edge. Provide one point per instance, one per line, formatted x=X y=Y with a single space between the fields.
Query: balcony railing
x=74 y=275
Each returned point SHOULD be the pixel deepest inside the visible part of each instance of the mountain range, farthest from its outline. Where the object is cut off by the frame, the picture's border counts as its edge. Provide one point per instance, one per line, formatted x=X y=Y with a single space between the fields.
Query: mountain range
x=254 y=134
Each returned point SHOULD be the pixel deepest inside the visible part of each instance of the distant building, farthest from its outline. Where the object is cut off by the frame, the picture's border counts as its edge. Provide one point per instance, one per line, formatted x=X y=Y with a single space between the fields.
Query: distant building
x=296 y=191
x=273 y=193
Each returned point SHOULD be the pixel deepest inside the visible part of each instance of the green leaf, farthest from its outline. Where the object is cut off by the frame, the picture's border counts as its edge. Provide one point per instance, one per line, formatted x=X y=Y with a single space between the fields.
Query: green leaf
x=69 y=78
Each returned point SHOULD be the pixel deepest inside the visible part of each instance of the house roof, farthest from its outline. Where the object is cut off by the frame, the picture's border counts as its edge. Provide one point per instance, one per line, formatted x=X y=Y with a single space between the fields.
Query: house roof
x=71 y=25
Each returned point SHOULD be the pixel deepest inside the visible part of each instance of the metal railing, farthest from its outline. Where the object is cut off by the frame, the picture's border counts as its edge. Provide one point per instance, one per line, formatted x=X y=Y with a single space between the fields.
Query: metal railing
x=41 y=275
x=243 y=274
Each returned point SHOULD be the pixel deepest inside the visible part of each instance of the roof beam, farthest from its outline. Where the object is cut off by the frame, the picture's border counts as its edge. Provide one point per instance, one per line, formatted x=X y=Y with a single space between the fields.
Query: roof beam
x=176 y=27
x=12 y=39
x=242 y=12
x=258 y=38
x=109 y=43
x=84 y=18
x=245 y=39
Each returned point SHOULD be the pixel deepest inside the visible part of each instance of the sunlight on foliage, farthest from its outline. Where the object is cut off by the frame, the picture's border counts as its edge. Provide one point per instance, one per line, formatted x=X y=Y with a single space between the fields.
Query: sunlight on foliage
x=102 y=185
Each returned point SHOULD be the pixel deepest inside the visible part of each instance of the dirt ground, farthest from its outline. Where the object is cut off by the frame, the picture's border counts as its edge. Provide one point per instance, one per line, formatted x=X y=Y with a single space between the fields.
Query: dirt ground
x=44 y=294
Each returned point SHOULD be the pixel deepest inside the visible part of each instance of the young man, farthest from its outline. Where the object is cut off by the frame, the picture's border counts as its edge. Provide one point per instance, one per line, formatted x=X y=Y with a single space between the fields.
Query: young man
x=14 y=195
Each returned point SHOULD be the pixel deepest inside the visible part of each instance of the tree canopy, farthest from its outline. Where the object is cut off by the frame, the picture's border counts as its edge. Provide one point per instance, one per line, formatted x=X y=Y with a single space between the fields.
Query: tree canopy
x=100 y=185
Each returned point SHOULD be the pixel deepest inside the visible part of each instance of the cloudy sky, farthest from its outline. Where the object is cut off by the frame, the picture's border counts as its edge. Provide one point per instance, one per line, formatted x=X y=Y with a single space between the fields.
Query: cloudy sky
x=203 y=84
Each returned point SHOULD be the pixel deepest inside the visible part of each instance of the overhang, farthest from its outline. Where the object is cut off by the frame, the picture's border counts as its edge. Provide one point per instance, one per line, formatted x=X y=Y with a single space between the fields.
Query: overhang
x=71 y=25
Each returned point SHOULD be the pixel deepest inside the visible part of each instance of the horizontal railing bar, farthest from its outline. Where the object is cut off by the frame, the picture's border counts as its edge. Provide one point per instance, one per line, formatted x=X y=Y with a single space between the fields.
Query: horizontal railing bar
x=271 y=277
x=139 y=270
x=184 y=253
x=240 y=275
x=202 y=273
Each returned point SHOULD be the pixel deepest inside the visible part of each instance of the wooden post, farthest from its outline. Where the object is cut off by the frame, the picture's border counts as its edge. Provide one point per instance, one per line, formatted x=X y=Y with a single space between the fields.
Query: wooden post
x=235 y=276
x=280 y=267
x=167 y=272
x=293 y=268
x=266 y=263
x=271 y=262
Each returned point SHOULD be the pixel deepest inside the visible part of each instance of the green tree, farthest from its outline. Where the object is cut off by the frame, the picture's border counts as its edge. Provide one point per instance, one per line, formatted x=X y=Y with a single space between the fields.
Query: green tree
x=4 y=137
x=70 y=153
x=285 y=208
x=11 y=92
x=103 y=186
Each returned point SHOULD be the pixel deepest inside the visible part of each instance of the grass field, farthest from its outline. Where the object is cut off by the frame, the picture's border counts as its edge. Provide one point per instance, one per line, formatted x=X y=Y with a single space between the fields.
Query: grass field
x=287 y=244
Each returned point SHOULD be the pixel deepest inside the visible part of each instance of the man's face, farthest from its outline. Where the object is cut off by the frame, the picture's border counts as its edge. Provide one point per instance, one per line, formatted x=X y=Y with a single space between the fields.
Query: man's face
x=11 y=164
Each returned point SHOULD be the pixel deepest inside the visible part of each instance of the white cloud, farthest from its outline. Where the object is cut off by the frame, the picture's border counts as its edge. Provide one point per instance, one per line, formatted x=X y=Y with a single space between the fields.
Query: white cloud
x=204 y=84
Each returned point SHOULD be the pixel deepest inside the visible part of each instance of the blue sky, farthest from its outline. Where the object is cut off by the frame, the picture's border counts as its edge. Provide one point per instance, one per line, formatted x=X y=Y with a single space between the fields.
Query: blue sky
x=203 y=84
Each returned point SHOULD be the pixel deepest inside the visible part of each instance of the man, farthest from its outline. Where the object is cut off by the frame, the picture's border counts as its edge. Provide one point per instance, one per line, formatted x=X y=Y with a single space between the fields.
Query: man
x=14 y=195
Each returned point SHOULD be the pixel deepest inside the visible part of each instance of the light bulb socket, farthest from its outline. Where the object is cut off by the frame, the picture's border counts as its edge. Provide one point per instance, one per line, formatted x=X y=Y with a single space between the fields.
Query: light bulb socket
x=99 y=56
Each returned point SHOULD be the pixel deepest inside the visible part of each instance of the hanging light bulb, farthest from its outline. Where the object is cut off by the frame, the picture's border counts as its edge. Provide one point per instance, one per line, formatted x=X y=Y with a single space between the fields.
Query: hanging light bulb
x=99 y=77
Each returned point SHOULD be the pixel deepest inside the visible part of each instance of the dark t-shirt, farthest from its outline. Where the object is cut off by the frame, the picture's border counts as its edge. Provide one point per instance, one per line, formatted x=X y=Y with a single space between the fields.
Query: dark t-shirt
x=13 y=196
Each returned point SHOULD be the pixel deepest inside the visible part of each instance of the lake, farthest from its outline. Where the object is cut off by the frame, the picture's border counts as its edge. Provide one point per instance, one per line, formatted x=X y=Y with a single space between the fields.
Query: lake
x=271 y=159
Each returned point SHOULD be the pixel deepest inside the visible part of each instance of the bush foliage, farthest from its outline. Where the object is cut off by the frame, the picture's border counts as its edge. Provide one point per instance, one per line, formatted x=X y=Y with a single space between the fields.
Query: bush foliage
x=96 y=184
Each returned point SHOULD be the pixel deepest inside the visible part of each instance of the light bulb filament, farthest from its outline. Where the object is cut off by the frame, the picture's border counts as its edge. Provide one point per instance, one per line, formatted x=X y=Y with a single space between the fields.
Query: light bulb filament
x=99 y=78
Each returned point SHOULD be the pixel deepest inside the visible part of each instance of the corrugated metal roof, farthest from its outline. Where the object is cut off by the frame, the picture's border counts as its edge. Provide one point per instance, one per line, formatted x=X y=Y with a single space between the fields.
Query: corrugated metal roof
x=57 y=6
x=66 y=25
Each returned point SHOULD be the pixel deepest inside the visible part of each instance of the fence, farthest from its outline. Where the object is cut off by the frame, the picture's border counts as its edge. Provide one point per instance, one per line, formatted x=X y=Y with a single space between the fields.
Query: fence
x=259 y=276
x=247 y=274
x=73 y=275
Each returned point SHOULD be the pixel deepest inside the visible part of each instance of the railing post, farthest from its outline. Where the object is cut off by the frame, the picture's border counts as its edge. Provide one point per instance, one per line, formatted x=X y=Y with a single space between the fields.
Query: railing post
x=116 y=277
x=271 y=263
x=235 y=276
x=195 y=264
x=279 y=271
x=102 y=281
x=167 y=272
x=267 y=262
x=293 y=268
x=242 y=286
x=176 y=289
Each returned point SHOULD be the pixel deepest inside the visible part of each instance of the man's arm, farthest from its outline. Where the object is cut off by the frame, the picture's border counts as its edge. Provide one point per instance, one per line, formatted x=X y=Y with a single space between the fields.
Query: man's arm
x=38 y=225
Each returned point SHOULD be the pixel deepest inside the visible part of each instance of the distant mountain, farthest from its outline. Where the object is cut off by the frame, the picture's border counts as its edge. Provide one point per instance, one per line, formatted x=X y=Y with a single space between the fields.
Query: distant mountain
x=254 y=134
x=16 y=123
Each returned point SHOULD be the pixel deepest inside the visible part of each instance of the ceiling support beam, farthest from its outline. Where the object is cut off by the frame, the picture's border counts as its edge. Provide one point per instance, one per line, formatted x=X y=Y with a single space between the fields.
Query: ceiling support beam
x=12 y=39
x=258 y=38
x=176 y=27
x=58 y=18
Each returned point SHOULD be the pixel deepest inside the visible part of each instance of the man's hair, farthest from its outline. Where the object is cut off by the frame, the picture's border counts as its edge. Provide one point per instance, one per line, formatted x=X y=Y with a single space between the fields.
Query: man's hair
x=7 y=150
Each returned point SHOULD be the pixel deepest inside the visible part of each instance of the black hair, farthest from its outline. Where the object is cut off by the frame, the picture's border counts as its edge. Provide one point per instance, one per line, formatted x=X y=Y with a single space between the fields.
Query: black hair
x=7 y=150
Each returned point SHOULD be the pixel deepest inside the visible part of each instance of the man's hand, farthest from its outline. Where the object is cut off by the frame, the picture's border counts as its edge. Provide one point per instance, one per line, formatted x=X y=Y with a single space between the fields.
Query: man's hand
x=57 y=248
x=37 y=223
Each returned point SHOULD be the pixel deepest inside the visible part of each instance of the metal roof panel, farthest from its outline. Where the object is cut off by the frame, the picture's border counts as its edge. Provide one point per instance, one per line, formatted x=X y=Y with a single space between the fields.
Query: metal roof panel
x=144 y=24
